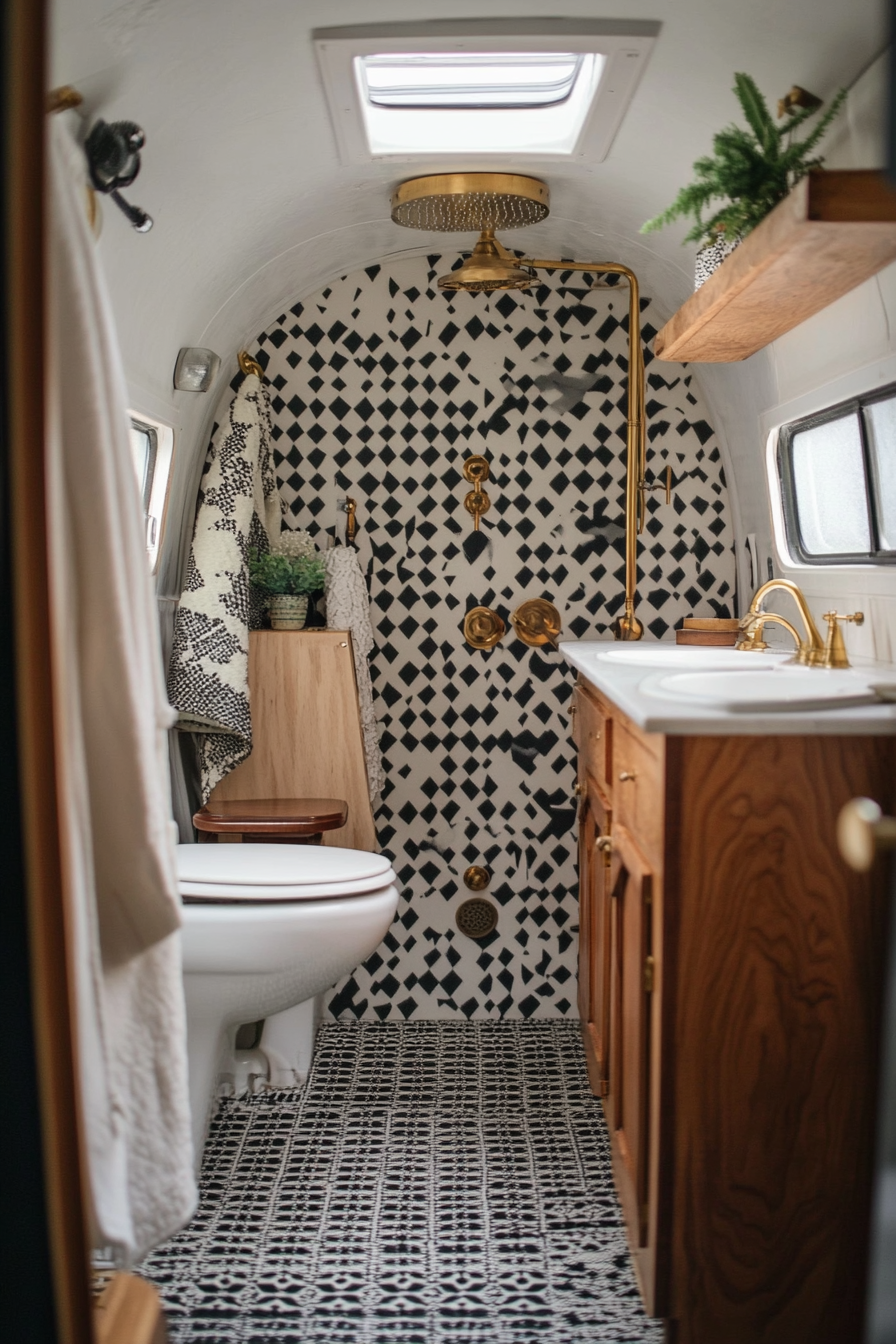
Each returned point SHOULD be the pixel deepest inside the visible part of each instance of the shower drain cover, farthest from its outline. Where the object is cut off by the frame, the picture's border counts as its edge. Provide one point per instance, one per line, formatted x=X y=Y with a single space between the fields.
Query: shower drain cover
x=477 y=917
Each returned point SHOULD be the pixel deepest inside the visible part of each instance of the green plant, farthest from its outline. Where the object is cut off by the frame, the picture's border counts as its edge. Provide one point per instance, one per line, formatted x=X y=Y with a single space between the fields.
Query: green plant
x=750 y=171
x=272 y=573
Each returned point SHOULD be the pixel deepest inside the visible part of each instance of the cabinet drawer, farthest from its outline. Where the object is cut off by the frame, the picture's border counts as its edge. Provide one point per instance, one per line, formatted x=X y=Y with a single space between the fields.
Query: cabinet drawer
x=637 y=783
x=593 y=736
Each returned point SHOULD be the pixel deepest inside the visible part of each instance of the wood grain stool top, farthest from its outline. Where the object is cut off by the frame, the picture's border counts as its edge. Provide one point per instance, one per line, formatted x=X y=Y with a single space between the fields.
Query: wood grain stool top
x=271 y=819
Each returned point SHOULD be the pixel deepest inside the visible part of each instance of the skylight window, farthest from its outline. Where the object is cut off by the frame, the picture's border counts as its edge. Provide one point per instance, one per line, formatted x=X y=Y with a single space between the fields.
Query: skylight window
x=471 y=79
x=477 y=103
x=545 y=89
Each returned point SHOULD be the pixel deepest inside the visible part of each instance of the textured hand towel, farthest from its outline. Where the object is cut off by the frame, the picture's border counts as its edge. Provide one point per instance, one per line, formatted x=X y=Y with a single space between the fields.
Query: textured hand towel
x=239 y=507
x=123 y=909
x=348 y=608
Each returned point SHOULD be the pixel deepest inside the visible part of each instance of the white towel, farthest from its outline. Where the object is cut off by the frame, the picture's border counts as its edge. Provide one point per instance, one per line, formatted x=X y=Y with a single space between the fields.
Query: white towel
x=348 y=608
x=112 y=722
x=239 y=508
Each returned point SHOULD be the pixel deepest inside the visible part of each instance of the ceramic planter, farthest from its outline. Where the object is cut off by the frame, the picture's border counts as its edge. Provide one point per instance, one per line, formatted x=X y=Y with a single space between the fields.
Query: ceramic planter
x=287 y=611
x=711 y=256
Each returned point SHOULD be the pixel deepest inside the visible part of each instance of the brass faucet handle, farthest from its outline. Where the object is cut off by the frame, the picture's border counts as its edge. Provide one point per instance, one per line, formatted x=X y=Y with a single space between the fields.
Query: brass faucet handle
x=834 y=648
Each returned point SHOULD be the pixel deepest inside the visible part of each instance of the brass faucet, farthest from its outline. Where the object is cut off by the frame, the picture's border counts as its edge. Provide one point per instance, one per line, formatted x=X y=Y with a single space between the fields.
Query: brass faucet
x=809 y=652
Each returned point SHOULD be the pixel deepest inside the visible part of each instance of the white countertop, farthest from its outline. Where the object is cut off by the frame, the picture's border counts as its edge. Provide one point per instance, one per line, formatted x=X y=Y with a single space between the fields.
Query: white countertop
x=622 y=683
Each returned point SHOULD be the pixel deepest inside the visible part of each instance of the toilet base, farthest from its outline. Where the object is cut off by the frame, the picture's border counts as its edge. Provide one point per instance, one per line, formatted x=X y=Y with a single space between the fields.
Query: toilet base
x=287 y=1041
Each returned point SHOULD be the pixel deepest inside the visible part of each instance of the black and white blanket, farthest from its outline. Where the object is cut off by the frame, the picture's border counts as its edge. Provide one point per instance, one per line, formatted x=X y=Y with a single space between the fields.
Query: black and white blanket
x=239 y=507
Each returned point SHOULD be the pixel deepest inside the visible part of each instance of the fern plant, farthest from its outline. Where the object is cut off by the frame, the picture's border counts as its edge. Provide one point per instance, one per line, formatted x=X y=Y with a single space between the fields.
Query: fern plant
x=750 y=171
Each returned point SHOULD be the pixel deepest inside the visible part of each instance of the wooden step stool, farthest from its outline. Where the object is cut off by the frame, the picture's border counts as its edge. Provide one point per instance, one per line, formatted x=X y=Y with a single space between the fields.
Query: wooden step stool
x=283 y=821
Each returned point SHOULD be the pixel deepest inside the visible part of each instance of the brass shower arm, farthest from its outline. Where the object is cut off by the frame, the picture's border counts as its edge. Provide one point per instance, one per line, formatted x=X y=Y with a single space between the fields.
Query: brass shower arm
x=628 y=626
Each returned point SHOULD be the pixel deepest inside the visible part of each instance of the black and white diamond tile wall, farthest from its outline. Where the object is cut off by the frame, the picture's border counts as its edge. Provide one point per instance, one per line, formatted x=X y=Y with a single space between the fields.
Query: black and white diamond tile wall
x=435 y=1182
x=381 y=387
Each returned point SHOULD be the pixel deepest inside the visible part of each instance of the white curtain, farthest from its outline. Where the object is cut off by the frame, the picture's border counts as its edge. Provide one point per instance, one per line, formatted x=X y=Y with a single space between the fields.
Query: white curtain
x=112 y=722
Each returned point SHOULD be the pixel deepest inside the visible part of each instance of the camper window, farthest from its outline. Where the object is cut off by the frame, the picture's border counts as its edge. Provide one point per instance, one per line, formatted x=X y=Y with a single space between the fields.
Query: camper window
x=151 y=447
x=838 y=482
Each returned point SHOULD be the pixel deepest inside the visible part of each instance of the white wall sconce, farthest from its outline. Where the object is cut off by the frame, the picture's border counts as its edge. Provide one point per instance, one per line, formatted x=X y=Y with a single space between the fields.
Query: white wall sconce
x=196 y=369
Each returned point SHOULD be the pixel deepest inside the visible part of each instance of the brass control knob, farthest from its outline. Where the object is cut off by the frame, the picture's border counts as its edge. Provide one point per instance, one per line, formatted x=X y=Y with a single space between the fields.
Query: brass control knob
x=537 y=622
x=483 y=628
x=477 y=878
x=863 y=832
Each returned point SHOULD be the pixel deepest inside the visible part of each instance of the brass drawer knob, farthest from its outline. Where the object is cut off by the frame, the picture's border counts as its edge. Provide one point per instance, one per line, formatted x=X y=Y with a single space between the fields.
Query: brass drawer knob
x=604 y=843
x=580 y=790
x=862 y=832
x=627 y=774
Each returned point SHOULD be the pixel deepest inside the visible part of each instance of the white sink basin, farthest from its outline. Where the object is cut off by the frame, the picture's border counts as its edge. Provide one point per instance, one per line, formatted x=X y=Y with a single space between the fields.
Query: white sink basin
x=689 y=656
x=745 y=692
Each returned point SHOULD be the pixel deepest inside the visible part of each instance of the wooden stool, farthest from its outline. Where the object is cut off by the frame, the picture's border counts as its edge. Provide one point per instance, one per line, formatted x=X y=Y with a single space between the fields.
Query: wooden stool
x=284 y=821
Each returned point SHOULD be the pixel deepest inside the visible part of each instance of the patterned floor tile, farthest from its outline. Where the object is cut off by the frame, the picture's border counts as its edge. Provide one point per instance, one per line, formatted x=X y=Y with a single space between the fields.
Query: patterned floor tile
x=434 y=1183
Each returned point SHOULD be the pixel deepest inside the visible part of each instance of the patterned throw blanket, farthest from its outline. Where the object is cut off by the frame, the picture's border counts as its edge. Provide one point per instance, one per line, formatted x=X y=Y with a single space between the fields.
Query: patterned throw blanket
x=239 y=507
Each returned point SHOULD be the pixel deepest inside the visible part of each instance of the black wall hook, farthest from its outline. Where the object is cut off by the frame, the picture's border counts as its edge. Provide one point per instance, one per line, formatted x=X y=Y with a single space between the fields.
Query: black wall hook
x=113 y=158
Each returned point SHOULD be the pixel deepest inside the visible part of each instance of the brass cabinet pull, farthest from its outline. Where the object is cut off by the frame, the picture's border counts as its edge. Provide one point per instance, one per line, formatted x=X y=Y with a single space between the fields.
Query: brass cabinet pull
x=863 y=832
x=627 y=774
x=573 y=707
x=580 y=790
x=649 y=974
x=604 y=843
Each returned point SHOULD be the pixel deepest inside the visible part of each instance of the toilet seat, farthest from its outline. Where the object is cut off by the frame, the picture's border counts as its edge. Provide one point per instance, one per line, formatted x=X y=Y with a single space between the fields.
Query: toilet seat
x=267 y=873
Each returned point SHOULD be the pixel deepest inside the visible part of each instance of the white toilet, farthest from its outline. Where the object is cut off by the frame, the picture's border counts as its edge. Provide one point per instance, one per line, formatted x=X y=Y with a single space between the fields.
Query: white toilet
x=266 y=927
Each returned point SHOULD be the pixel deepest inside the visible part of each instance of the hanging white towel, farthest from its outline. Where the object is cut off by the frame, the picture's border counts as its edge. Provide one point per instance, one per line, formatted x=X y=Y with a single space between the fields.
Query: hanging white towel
x=112 y=721
x=348 y=608
x=239 y=508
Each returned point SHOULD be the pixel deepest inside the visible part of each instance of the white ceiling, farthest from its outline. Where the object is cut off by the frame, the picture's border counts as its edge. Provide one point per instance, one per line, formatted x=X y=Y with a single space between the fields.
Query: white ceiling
x=253 y=208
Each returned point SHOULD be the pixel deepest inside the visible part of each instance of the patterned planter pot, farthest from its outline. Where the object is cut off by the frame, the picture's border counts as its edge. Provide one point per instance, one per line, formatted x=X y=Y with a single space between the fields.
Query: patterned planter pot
x=287 y=611
x=710 y=257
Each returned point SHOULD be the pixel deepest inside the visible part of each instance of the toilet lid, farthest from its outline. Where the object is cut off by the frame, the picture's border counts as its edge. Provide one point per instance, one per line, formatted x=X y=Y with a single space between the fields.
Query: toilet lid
x=278 y=872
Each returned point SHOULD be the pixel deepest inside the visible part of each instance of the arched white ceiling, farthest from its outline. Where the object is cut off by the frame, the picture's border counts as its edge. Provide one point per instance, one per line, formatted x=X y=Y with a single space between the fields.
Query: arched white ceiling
x=254 y=209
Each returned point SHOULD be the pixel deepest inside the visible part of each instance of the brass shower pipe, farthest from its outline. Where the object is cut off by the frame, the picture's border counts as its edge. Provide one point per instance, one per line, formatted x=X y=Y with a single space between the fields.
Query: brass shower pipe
x=627 y=626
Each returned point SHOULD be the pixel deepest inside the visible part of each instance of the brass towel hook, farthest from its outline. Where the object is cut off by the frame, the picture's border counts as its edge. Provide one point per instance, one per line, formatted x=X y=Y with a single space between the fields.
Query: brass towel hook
x=249 y=365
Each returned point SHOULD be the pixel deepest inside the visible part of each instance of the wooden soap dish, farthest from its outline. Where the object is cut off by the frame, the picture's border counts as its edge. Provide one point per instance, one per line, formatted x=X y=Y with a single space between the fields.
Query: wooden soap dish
x=717 y=632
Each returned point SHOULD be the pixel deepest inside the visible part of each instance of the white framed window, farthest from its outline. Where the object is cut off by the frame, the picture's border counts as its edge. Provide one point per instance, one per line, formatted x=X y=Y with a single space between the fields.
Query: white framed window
x=152 y=448
x=536 y=89
x=837 y=477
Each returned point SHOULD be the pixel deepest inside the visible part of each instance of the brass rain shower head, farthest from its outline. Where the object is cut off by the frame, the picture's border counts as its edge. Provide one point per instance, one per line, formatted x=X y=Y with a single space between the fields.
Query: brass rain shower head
x=462 y=202
x=470 y=202
x=489 y=267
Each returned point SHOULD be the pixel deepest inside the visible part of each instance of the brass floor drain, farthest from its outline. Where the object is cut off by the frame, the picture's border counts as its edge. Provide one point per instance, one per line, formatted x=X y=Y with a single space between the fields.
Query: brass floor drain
x=477 y=917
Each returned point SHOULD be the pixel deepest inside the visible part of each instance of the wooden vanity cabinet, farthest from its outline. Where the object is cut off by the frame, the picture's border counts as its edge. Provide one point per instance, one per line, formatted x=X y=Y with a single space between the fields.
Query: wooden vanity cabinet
x=730 y=988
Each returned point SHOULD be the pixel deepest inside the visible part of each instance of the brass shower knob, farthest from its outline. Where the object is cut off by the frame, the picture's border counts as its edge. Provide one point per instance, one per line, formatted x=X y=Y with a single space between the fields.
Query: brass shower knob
x=477 y=878
x=483 y=628
x=537 y=622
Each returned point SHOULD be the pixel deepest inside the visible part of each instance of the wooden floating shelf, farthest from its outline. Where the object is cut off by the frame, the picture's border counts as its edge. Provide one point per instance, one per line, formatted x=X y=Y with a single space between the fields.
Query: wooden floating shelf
x=835 y=230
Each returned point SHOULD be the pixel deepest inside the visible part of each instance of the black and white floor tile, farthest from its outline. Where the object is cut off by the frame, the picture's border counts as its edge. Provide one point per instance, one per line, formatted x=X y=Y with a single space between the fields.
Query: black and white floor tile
x=434 y=1183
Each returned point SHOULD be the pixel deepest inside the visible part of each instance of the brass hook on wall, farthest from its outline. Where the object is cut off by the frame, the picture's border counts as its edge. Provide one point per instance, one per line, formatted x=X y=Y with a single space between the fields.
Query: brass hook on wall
x=477 y=501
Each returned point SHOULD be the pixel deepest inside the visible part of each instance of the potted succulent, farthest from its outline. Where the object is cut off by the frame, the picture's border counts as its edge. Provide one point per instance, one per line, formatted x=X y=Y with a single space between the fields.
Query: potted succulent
x=746 y=176
x=287 y=581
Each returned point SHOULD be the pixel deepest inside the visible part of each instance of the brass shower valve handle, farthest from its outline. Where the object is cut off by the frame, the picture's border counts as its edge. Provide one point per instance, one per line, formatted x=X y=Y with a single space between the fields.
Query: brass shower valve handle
x=647 y=486
x=834 y=647
x=477 y=501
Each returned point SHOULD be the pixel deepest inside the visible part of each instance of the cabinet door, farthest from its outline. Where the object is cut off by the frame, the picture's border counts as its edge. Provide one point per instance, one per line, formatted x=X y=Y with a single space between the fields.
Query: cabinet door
x=594 y=935
x=632 y=971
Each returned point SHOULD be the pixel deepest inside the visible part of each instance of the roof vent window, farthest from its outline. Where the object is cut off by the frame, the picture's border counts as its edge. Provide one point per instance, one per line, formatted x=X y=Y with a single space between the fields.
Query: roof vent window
x=472 y=79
